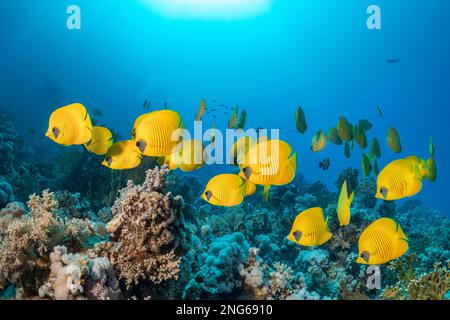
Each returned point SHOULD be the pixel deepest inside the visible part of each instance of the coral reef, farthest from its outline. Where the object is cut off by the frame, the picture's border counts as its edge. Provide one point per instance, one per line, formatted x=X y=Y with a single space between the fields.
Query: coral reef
x=146 y=234
x=149 y=229
x=218 y=272
x=29 y=238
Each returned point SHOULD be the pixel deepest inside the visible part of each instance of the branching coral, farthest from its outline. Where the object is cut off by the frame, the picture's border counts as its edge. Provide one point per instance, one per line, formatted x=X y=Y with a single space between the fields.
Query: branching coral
x=28 y=240
x=433 y=285
x=277 y=282
x=148 y=226
x=79 y=276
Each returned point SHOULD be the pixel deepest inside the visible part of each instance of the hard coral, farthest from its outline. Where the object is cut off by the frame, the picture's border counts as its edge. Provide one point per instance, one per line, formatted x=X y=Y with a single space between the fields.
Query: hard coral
x=148 y=226
x=28 y=240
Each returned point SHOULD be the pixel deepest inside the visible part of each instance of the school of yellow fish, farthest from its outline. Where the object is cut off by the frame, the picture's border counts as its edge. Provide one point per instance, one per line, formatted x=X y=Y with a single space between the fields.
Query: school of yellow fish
x=261 y=162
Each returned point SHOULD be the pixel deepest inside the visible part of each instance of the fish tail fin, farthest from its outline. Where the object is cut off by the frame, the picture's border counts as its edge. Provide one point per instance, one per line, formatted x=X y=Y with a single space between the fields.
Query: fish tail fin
x=266 y=193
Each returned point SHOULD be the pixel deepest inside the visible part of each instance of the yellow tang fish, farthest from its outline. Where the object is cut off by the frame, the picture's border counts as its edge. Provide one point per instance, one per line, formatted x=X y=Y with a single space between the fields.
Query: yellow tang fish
x=381 y=242
x=401 y=178
x=122 y=156
x=70 y=125
x=153 y=132
x=269 y=162
x=225 y=190
x=187 y=156
x=319 y=141
x=101 y=141
x=201 y=110
x=344 y=203
x=310 y=228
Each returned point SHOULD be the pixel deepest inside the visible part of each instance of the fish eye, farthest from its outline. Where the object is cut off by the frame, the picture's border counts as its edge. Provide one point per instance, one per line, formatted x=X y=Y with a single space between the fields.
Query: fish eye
x=297 y=235
x=109 y=161
x=247 y=172
x=141 y=144
x=208 y=195
x=384 y=192
x=55 y=132
x=365 y=256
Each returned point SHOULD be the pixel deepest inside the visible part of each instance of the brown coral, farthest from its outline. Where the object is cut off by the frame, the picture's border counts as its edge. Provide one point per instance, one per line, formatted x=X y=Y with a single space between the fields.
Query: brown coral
x=149 y=231
x=26 y=243
x=429 y=286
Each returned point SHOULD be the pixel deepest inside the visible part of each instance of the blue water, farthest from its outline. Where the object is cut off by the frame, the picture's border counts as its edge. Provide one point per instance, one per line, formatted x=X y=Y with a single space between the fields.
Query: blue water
x=317 y=54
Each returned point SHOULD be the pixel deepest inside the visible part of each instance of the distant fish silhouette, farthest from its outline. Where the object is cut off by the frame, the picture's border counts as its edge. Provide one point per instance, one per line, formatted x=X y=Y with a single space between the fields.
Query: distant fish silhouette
x=380 y=112
x=146 y=105
x=325 y=164
x=392 y=61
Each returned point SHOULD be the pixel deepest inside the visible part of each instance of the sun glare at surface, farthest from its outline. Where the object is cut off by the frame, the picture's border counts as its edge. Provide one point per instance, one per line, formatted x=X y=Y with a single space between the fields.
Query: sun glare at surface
x=209 y=9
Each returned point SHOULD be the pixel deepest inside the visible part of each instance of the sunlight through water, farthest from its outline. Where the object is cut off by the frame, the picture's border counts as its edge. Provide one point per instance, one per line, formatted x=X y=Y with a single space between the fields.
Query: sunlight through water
x=209 y=9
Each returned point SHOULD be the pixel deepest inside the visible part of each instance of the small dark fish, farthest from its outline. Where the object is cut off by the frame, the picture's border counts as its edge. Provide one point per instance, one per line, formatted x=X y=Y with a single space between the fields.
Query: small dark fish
x=223 y=106
x=213 y=109
x=31 y=130
x=380 y=112
x=214 y=100
x=392 y=61
x=146 y=105
x=97 y=112
x=214 y=116
x=325 y=164
x=165 y=105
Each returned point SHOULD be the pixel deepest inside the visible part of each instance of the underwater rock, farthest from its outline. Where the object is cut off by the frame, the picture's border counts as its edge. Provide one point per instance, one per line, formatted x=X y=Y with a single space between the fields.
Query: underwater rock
x=148 y=230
